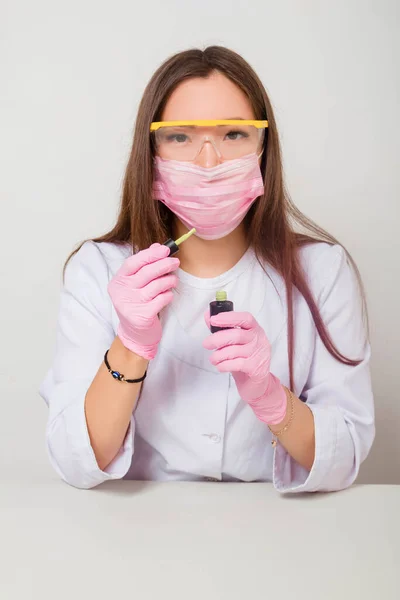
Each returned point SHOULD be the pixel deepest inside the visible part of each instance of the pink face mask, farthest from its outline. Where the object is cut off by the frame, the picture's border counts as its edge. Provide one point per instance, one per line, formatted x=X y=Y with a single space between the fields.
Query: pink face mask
x=213 y=200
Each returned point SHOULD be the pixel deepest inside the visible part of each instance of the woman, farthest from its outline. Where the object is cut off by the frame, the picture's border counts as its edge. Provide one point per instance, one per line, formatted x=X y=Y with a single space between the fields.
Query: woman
x=283 y=392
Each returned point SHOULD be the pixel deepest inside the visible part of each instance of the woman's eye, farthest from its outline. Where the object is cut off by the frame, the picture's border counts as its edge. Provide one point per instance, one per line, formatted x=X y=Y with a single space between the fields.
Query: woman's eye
x=236 y=135
x=180 y=138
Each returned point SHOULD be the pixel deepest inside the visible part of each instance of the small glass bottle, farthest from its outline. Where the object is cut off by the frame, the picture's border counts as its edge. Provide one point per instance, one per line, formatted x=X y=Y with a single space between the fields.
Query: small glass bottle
x=219 y=305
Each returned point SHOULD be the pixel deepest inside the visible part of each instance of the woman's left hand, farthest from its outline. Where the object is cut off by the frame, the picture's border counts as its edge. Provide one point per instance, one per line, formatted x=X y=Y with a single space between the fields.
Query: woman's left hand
x=244 y=351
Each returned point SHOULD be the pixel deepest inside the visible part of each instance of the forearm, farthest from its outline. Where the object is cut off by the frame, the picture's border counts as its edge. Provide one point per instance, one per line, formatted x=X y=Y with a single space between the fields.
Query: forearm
x=299 y=438
x=109 y=403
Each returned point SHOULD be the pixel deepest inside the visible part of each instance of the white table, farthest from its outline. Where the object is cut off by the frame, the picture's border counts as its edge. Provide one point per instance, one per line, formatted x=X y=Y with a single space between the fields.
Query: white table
x=133 y=540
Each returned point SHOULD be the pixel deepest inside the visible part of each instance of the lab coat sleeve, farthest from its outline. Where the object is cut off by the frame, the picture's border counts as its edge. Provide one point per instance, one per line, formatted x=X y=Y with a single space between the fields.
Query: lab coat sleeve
x=339 y=396
x=84 y=333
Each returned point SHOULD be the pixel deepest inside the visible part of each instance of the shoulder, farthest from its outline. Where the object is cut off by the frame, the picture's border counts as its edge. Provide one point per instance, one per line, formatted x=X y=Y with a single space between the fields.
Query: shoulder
x=97 y=260
x=320 y=258
x=331 y=275
x=321 y=263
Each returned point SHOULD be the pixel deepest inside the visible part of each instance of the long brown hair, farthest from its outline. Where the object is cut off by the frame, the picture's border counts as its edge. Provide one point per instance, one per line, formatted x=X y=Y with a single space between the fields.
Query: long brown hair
x=273 y=219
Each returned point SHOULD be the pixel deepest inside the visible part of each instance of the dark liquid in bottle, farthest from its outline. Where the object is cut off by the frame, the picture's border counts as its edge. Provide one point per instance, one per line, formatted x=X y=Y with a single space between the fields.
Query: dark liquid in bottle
x=219 y=306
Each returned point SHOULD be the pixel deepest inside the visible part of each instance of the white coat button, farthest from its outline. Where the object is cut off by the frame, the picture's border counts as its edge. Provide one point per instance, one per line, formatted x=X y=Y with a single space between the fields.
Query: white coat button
x=213 y=437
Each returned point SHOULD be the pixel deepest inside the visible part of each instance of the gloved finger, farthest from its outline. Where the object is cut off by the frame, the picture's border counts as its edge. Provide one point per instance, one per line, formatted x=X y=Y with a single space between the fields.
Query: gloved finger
x=229 y=353
x=228 y=337
x=234 y=319
x=159 y=302
x=134 y=263
x=153 y=271
x=232 y=366
x=158 y=286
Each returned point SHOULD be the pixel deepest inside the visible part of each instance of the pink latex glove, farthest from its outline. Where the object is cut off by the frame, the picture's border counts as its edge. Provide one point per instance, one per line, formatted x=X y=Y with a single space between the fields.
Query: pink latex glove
x=139 y=290
x=245 y=352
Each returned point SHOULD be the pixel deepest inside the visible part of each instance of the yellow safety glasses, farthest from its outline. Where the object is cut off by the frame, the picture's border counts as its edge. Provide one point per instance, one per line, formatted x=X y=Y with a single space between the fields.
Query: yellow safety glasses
x=231 y=138
x=208 y=123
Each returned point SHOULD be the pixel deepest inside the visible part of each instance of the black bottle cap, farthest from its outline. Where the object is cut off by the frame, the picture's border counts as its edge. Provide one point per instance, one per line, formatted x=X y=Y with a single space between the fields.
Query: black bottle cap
x=173 y=248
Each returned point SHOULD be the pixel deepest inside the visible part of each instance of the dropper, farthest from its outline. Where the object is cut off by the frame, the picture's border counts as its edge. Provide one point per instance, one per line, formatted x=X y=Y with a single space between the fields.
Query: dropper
x=173 y=245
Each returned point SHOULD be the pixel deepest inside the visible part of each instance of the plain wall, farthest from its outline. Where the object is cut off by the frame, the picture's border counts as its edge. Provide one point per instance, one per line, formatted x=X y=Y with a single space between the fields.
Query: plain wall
x=71 y=76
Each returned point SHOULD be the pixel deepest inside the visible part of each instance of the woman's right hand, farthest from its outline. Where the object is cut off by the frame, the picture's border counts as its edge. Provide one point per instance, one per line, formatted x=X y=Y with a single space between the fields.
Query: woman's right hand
x=139 y=290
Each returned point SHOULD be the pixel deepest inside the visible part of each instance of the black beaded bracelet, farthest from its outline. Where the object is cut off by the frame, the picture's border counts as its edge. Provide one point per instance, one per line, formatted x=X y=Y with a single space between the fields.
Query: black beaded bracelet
x=117 y=375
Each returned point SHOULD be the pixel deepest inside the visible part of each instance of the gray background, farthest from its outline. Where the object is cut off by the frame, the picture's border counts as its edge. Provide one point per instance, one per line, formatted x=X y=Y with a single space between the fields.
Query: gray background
x=72 y=74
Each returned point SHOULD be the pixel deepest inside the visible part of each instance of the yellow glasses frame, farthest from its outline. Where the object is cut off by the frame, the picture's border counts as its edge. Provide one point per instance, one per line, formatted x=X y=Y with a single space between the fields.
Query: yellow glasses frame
x=204 y=123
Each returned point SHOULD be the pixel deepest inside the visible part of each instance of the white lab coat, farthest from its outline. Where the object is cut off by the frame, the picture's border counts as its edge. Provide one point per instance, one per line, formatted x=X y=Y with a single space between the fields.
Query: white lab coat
x=190 y=423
